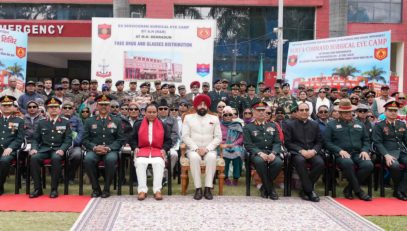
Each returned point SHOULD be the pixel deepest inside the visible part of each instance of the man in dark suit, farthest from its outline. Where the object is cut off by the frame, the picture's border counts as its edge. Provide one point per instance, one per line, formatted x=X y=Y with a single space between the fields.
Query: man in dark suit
x=217 y=95
x=304 y=142
x=11 y=137
x=102 y=139
x=52 y=139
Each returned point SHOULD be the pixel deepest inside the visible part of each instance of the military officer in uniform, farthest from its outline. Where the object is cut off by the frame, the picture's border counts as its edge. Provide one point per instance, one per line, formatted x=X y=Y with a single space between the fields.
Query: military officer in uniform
x=261 y=140
x=286 y=99
x=52 y=139
x=144 y=98
x=103 y=138
x=119 y=94
x=235 y=100
x=217 y=95
x=389 y=137
x=349 y=141
x=11 y=137
x=251 y=97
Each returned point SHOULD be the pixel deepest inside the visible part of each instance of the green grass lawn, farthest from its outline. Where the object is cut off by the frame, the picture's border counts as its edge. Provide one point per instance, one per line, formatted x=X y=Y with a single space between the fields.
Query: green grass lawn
x=63 y=221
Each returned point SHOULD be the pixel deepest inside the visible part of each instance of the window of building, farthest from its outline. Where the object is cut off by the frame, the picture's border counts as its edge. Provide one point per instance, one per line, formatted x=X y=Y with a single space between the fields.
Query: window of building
x=62 y=11
x=378 y=11
x=246 y=33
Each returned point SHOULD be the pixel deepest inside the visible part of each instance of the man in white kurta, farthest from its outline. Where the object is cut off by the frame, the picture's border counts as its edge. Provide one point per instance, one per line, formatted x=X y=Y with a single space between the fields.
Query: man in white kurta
x=202 y=135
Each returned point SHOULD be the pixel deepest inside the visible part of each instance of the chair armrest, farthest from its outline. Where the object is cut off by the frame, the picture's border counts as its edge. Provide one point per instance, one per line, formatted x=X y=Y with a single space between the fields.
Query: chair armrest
x=221 y=147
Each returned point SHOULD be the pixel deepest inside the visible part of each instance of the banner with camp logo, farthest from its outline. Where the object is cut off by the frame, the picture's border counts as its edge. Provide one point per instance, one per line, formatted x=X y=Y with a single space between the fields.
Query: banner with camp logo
x=341 y=62
x=171 y=50
x=13 y=58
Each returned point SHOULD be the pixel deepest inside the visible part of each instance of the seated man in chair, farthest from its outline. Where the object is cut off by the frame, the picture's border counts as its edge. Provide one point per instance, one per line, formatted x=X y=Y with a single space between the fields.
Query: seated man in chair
x=261 y=139
x=12 y=136
x=348 y=140
x=389 y=137
x=202 y=135
x=52 y=139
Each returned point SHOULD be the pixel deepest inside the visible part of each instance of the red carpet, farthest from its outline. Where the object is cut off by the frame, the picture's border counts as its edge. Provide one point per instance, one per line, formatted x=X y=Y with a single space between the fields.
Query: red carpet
x=68 y=203
x=377 y=207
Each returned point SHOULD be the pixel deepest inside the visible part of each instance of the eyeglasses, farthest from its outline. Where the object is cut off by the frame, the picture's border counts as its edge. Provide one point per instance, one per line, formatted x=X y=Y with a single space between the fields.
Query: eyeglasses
x=173 y=109
x=402 y=98
x=392 y=110
x=163 y=108
x=30 y=107
x=323 y=112
x=306 y=109
x=67 y=108
x=227 y=115
x=362 y=111
x=370 y=117
x=85 y=111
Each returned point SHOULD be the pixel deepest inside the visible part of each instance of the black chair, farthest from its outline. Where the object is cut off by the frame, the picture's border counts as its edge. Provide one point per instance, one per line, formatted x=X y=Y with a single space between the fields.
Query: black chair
x=285 y=156
x=18 y=163
x=101 y=166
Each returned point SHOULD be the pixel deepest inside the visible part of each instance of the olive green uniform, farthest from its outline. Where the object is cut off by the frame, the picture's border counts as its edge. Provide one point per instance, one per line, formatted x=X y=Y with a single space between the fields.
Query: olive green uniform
x=391 y=139
x=102 y=131
x=11 y=136
x=49 y=137
x=263 y=138
x=353 y=138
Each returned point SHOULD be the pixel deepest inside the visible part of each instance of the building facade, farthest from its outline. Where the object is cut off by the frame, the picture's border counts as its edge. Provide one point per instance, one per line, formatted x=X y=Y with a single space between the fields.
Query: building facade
x=60 y=30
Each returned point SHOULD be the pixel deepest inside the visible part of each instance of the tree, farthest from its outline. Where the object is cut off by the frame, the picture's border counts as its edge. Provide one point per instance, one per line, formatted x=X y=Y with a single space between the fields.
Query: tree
x=121 y=8
x=187 y=12
x=375 y=74
x=233 y=23
x=345 y=71
x=16 y=70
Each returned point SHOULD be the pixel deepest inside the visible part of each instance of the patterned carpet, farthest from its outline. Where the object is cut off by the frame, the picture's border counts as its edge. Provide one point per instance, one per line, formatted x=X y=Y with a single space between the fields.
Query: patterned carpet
x=222 y=213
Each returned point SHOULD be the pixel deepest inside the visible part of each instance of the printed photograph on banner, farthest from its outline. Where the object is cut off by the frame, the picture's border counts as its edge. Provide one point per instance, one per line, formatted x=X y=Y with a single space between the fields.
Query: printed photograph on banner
x=358 y=60
x=151 y=66
x=13 y=58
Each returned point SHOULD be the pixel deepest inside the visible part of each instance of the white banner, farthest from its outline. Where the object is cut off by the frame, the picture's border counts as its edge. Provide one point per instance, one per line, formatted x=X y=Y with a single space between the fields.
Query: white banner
x=171 y=50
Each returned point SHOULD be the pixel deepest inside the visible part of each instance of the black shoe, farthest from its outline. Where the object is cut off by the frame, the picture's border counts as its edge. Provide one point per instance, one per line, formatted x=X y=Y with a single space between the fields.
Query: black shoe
x=313 y=196
x=208 y=193
x=263 y=193
x=105 y=194
x=53 y=194
x=363 y=196
x=347 y=192
x=36 y=193
x=273 y=194
x=399 y=195
x=198 y=194
x=95 y=193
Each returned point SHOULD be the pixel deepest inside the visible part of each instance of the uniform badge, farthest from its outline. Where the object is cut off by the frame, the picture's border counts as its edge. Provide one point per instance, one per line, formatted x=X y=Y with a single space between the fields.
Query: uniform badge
x=357 y=126
x=338 y=126
x=270 y=130
x=386 y=130
x=111 y=125
x=94 y=126
x=255 y=133
x=402 y=129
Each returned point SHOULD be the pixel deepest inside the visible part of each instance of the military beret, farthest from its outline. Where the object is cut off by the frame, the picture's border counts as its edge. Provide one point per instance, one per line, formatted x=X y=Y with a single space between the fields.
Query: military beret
x=165 y=85
x=119 y=82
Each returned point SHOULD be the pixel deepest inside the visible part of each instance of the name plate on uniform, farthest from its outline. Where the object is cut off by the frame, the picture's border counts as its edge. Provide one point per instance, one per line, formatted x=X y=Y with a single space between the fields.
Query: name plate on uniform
x=357 y=126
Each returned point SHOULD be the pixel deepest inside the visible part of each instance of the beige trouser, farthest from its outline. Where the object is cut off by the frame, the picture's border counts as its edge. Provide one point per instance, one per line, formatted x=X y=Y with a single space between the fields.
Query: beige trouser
x=195 y=164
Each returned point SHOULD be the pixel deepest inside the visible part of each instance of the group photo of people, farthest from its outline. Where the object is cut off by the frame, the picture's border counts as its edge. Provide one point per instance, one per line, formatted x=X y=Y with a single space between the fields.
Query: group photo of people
x=71 y=125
